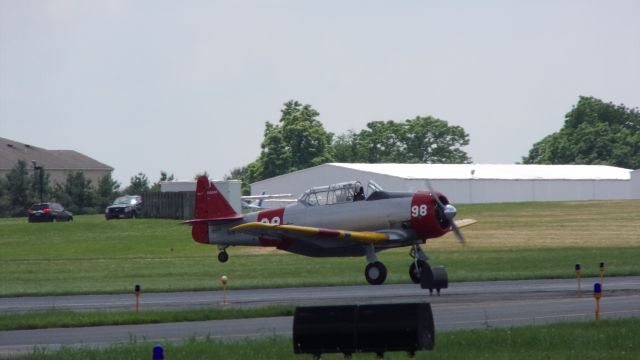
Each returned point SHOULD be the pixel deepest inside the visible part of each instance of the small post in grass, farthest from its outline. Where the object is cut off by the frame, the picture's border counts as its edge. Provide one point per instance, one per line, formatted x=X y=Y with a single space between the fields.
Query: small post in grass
x=602 y=273
x=578 y=268
x=136 y=291
x=224 y=279
x=158 y=352
x=597 y=293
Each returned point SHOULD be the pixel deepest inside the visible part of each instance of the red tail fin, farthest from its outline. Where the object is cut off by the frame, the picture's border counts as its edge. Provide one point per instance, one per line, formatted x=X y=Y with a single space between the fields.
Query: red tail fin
x=211 y=206
x=210 y=203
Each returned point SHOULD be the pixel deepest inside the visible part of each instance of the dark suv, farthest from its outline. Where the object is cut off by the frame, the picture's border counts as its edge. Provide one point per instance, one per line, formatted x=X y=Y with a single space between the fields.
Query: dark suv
x=123 y=207
x=50 y=211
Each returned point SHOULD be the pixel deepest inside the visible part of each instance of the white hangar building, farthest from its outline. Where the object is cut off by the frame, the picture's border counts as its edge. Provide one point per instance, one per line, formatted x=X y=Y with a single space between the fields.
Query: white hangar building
x=472 y=183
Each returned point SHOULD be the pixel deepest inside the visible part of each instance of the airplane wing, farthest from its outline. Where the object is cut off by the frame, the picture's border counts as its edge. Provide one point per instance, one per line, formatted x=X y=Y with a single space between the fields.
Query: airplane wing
x=263 y=229
x=465 y=222
x=259 y=197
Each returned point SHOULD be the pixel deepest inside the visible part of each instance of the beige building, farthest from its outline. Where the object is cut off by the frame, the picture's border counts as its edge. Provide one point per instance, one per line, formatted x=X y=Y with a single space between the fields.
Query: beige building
x=57 y=163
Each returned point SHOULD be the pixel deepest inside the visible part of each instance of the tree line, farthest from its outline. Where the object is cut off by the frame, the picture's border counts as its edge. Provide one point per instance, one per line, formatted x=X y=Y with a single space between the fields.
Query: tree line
x=594 y=132
x=21 y=187
x=299 y=141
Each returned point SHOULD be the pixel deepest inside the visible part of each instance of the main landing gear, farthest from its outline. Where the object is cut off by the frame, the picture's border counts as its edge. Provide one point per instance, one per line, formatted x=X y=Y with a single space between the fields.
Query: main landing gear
x=375 y=272
x=428 y=277
x=420 y=272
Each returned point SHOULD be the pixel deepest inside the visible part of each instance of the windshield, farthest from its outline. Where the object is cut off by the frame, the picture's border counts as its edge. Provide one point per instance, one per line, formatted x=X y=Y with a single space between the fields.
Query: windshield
x=333 y=194
x=37 y=207
x=125 y=200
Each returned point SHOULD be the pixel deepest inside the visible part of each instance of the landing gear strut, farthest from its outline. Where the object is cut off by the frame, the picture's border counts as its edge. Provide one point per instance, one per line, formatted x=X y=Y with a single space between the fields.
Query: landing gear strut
x=419 y=262
x=375 y=272
x=428 y=277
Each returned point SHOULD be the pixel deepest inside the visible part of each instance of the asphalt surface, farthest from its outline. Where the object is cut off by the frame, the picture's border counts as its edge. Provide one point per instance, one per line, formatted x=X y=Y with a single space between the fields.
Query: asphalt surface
x=472 y=305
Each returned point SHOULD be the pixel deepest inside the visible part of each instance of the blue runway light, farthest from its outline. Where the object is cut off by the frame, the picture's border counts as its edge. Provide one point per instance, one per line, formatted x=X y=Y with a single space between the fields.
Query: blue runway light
x=158 y=352
x=601 y=264
x=577 y=267
x=597 y=288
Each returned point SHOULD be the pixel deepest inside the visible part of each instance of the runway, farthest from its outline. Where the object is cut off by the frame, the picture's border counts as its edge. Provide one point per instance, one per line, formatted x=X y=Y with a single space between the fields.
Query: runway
x=472 y=305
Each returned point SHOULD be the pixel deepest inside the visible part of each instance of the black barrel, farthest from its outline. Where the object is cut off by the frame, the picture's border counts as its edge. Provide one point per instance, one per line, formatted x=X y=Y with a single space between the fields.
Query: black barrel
x=375 y=328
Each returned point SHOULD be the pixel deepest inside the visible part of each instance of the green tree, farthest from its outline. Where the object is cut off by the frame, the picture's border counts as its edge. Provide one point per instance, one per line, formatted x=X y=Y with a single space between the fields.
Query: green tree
x=76 y=194
x=18 y=186
x=139 y=184
x=164 y=176
x=594 y=132
x=417 y=140
x=38 y=180
x=431 y=140
x=4 y=199
x=106 y=192
x=235 y=173
x=204 y=173
x=297 y=142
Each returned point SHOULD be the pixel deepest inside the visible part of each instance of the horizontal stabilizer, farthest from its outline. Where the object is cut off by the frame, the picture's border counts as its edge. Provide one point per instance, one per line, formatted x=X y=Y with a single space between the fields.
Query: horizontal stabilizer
x=215 y=220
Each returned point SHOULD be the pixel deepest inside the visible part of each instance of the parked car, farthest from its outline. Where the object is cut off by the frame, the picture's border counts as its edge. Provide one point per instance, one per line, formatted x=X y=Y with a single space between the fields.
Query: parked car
x=50 y=212
x=129 y=206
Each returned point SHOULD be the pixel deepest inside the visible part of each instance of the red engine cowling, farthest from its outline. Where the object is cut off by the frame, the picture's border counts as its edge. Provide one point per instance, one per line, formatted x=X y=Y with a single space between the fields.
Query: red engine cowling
x=427 y=220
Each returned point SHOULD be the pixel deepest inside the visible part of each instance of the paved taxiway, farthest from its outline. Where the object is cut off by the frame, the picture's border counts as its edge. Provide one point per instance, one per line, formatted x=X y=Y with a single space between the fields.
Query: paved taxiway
x=462 y=306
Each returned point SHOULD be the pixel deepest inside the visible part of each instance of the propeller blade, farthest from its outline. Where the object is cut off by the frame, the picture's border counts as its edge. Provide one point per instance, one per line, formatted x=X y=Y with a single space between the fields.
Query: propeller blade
x=434 y=193
x=454 y=228
x=457 y=232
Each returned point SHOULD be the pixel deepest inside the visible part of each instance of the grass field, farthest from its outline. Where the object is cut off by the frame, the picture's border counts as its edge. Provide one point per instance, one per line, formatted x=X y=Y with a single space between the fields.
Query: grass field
x=511 y=241
x=67 y=319
x=611 y=339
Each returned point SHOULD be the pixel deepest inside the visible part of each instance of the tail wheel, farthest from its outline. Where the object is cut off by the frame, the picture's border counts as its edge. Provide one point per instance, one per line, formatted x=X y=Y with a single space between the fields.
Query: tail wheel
x=415 y=270
x=375 y=273
x=223 y=256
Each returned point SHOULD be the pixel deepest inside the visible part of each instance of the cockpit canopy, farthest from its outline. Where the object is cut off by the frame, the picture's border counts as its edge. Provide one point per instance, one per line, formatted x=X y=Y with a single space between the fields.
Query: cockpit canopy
x=349 y=191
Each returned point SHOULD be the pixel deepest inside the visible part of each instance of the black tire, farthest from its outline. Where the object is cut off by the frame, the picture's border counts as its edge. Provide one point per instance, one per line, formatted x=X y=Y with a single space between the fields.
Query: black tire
x=223 y=257
x=375 y=273
x=416 y=272
x=426 y=278
x=440 y=278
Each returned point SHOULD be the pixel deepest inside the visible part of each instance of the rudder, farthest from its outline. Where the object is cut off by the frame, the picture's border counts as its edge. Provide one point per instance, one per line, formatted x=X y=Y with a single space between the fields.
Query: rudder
x=210 y=206
x=210 y=203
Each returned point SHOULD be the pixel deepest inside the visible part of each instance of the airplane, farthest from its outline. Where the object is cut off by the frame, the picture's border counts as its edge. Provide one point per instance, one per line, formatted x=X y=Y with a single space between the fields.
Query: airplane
x=248 y=202
x=337 y=220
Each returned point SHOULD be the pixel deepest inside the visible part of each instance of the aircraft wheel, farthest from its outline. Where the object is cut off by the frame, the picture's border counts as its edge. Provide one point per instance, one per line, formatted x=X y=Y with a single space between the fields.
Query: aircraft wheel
x=440 y=278
x=223 y=256
x=375 y=273
x=434 y=278
x=416 y=271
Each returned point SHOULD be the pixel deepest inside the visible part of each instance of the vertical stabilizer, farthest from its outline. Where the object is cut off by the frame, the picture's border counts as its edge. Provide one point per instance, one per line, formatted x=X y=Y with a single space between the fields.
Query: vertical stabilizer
x=210 y=203
x=211 y=206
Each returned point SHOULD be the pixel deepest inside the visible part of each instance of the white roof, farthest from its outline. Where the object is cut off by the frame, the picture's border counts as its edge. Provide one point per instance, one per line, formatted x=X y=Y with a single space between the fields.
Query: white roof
x=494 y=171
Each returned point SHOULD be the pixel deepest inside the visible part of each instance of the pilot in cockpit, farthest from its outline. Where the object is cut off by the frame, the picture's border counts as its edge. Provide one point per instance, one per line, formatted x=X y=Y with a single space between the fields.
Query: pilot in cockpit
x=359 y=195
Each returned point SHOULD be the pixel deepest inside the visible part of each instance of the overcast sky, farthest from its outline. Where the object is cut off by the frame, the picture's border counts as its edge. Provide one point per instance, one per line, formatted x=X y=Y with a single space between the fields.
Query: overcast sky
x=186 y=86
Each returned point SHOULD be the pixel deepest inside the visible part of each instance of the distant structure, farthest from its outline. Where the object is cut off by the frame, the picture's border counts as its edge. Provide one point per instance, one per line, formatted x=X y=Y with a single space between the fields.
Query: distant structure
x=230 y=189
x=472 y=183
x=57 y=163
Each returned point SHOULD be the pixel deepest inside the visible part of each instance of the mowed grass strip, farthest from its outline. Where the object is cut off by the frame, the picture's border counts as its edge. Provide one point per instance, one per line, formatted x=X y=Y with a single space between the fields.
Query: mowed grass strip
x=67 y=319
x=510 y=241
x=607 y=339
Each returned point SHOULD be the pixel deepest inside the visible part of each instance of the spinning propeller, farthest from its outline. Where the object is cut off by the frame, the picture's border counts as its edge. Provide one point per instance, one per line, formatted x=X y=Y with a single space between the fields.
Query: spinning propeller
x=449 y=213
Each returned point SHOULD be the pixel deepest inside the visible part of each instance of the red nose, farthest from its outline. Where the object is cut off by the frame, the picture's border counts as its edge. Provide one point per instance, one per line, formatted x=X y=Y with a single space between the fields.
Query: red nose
x=424 y=219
